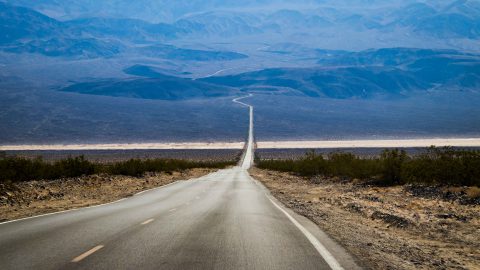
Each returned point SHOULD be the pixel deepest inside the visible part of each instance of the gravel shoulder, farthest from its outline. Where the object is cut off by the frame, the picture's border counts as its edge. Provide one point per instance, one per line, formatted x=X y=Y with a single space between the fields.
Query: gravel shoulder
x=385 y=227
x=24 y=199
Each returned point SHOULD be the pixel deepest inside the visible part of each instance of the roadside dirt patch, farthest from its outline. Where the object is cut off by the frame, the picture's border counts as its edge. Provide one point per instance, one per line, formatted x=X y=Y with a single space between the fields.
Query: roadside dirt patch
x=385 y=227
x=31 y=198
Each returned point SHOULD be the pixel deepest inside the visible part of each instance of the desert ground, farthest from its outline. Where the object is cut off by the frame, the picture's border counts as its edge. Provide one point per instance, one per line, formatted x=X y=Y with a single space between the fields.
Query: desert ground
x=24 y=199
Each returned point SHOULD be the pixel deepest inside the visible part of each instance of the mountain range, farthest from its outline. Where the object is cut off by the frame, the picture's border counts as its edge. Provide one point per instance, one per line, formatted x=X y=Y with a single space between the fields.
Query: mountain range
x=455 y=25
x=24 y=30
x=392 y=72
x=79 y=57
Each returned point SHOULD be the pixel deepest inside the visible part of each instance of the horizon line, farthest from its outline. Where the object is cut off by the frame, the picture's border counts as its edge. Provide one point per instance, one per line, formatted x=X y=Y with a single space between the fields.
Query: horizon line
x=271 y=144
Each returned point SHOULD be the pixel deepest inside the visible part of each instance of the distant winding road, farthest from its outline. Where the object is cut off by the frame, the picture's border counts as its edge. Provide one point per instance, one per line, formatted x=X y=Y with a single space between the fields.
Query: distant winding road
x=213 y=74
x=225 y=220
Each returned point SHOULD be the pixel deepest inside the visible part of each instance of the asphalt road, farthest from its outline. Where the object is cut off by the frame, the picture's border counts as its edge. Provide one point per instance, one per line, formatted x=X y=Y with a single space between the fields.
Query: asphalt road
x=225 y=220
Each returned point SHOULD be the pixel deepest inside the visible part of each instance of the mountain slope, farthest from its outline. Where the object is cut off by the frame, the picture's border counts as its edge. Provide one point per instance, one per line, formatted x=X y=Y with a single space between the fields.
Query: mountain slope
x=22 y=23
x=162 y=87
x=340 y=83
x=366 y=74
x=23 y=30
x=174 y=53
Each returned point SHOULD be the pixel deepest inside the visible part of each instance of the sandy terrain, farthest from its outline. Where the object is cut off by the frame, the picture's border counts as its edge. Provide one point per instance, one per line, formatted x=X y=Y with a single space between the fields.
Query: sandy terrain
x=466 y=142
x=31 y=198
x=458 y=142
x=127 y=146
x=386 y=228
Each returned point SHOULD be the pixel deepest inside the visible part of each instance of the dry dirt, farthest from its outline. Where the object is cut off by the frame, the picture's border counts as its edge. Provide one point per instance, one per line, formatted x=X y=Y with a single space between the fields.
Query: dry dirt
x=385 y=227
x=18 y=200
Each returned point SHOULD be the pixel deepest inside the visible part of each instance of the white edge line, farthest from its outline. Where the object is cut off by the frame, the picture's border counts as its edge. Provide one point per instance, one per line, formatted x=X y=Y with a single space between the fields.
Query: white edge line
x=327 y=256
x=175 y=182
x=64 y=211
x=147 y=190
x=147 y=221
x=321 y=249
x=42 y=215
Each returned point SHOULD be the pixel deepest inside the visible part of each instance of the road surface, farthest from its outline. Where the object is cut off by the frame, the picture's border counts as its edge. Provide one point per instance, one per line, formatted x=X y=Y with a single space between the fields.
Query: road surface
x=248 y=156
x=213 y=74
x=225 y=220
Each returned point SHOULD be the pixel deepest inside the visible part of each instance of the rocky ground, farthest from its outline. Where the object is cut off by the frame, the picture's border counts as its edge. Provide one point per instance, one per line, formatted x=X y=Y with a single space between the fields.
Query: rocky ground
x=31 y=198
x=402 y=227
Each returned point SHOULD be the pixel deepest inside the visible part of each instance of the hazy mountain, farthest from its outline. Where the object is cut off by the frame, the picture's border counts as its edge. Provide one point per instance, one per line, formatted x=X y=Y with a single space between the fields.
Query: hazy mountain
x=159 y=10
x=458 y=19
x=22 y=23
x=387 y=56
x=450 y=25
x=333 y=83
x=403 y=22
x=88 y=48
x=123 y=28
x=174 y=53
x=390 y=72
x=446 y=68
x=27 y=31
x=162 y=87
x=143 y=71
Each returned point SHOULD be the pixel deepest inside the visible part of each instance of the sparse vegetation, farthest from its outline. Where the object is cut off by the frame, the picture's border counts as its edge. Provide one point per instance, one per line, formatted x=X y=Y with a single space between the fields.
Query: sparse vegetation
x=22 y=169
x=444 y=166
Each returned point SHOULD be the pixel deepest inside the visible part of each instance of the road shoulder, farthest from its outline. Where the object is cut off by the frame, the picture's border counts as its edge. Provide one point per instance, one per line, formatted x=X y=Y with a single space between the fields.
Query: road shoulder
x=341 y=255
x=385 y=228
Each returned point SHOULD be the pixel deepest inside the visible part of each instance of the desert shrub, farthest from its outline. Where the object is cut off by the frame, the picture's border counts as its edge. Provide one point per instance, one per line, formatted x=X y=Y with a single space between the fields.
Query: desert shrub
x=71 y=167
x=336 y=164
x=351 y=166
x=392 y=162
x=444 y=166
x=21 y=169
x=311 y=164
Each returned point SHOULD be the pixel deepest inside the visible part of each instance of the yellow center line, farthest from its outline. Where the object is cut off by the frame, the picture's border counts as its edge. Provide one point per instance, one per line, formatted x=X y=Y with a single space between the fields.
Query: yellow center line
x=88 y=253
x=147 y=221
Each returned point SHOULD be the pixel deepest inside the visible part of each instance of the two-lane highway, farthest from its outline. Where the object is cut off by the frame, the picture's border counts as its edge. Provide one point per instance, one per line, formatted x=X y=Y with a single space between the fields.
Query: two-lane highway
x=225 y=220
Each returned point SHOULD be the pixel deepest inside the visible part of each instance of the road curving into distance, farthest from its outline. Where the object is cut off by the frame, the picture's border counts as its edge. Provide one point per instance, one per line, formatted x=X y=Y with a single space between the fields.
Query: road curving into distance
x=248 y=156
x=225 y=220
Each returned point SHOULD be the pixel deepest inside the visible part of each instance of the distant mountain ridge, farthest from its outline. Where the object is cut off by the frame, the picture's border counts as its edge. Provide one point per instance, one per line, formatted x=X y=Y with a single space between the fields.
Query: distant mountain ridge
x=23 y=30
x=167 y=21
x=393 y=72
x=338 y=73
x=366 y=74
x=161 y=86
